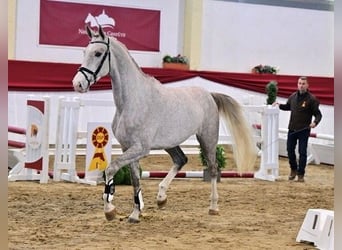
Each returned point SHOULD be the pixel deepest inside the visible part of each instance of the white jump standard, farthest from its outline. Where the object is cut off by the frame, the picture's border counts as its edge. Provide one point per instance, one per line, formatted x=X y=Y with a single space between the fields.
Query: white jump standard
x=34 y=153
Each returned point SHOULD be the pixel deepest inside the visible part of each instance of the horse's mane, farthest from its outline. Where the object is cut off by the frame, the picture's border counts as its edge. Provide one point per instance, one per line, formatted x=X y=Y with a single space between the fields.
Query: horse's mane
x=130 y=56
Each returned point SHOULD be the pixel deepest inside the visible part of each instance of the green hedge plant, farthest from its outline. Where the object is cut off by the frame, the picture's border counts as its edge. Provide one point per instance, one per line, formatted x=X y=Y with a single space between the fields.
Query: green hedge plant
x=220 y=157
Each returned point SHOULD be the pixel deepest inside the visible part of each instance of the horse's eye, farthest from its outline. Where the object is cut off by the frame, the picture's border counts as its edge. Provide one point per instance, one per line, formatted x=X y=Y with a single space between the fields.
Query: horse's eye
x=98 y=54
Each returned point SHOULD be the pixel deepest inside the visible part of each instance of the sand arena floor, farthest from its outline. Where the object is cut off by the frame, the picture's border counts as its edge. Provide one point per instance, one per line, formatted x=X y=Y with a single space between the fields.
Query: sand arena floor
x=254 y=214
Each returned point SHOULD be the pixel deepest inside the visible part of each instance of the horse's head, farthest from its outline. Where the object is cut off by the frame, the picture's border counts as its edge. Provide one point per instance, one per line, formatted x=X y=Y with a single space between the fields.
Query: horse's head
x=95 y=59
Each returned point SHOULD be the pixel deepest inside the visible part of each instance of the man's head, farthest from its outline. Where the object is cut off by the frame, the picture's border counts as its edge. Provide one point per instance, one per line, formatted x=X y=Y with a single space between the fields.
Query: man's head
x=303 y=84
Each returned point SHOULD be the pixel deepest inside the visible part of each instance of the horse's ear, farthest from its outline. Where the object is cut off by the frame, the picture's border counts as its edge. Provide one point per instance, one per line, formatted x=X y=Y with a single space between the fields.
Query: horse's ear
x=101 y=32
x=89 y=31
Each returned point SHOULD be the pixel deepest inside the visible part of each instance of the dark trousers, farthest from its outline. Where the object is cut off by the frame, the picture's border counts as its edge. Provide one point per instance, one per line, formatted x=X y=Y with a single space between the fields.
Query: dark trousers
x=302 y=136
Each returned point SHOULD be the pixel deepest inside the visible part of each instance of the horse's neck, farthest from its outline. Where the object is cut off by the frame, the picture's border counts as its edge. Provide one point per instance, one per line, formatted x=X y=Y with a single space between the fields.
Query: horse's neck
x=128 y=81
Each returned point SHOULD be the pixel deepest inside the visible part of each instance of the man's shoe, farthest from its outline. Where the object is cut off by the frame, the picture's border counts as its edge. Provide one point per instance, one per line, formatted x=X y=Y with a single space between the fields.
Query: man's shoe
x=300 y=178
x=292 y=175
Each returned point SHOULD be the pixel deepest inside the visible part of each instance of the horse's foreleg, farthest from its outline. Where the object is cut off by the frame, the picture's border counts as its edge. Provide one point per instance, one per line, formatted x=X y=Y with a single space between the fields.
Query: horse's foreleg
x=133 y=154
x=138 y=199
x=179 y=159
x=108 y=195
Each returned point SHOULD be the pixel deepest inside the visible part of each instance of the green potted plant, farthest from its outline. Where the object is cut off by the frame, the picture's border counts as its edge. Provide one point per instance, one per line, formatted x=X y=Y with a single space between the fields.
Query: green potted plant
x=123 y=176
x=271 y=90
x=176 y=62
x=264 y=69
x=220 y=159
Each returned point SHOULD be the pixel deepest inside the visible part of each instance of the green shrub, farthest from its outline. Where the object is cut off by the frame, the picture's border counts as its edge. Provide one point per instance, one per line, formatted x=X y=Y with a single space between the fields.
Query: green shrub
x=123 y=176
x=271 y=90
x=175 y=59
x=220 y=157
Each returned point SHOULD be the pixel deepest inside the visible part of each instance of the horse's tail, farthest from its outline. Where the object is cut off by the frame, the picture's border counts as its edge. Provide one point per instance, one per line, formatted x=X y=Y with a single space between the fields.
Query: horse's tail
x=244 y=149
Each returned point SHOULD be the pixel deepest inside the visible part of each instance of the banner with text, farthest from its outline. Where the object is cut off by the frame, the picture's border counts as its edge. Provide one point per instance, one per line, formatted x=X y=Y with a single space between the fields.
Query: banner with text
x=63 y=24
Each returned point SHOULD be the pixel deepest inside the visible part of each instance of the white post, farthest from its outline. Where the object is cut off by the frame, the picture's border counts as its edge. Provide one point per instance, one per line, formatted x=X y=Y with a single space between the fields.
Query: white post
x=269 y=165
x=45 y=141
x=66 y=140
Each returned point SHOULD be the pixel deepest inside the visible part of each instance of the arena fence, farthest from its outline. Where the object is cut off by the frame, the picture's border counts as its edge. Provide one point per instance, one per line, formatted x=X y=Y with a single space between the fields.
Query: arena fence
x=67 y=136
x=67 y=145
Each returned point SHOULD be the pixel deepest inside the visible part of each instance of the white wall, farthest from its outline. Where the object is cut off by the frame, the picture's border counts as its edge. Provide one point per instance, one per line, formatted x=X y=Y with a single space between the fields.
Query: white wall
x=235 y=36
x=27 y=32
x=238 y=36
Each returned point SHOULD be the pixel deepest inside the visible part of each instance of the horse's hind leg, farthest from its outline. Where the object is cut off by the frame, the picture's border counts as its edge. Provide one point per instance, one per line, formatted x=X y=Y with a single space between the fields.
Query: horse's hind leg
x=179 y=160
x=138 y=199
x=209 y=151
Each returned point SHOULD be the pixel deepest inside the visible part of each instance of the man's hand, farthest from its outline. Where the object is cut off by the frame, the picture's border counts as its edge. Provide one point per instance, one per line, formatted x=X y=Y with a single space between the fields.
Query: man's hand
x=313 y=124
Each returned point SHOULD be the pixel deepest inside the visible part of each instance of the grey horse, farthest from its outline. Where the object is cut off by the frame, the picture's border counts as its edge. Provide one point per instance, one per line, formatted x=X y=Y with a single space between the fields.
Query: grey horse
x=151 y=116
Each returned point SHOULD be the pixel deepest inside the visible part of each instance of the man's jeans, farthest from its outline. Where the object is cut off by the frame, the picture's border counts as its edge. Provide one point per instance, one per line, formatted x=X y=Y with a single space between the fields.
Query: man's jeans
x=302 y=136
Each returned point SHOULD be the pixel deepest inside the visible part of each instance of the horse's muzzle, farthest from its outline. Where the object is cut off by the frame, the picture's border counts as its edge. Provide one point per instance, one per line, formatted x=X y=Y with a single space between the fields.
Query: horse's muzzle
x=79 y=84
x=80 y=89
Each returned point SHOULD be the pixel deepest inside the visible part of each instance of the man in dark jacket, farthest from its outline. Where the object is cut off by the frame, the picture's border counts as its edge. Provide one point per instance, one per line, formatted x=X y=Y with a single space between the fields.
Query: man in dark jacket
x=303 y=106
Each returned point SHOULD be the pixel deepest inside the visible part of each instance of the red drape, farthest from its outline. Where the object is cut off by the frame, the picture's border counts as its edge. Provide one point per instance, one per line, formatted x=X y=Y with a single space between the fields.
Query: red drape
x=42 y=76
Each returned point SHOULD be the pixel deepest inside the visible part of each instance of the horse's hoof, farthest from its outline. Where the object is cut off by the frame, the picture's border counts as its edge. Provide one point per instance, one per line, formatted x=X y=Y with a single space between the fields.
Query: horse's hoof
x=162 y=203
x=110 y=215
x=133 y=220
x=213 y=212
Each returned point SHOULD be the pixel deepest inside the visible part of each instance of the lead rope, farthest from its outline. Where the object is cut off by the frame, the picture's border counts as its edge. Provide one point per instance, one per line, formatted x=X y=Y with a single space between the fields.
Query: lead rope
x=295 y=132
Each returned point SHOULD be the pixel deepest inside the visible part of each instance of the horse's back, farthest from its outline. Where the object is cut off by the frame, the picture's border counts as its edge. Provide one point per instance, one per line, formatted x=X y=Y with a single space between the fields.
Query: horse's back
x=190 y=100
x=186 y=94
x=180 y=112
